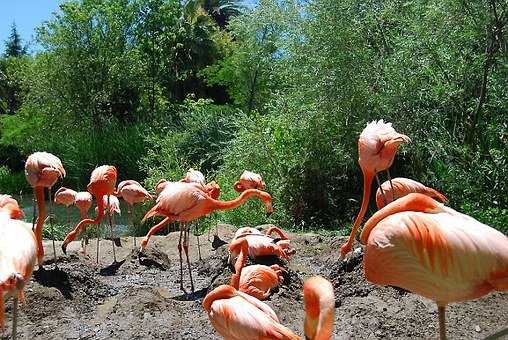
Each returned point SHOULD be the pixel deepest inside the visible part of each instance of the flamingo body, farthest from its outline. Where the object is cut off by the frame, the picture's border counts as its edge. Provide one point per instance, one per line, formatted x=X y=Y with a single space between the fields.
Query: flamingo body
x=434 y=251
x=249 y=180
x=194 y=176
x=132 y=192
x=259 y=280
x=65 y=196
x=238 y=316
x=83 y=202
x=18 y=255
x=43 y=169
x=403 y=186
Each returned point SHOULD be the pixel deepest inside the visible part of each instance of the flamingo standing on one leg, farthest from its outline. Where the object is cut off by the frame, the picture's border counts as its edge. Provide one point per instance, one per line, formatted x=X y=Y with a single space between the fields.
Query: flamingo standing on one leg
x=18 y=254
x=42 y=170
x=400 y=187
x=238 y=316
x=256 y=280
x=83 y=201
x=212 y=188
x=434 y=251
x=186 y=202
x=11 y=206
x=102 y=183
x=132 y=192
x=377 y=146
x=65 y=197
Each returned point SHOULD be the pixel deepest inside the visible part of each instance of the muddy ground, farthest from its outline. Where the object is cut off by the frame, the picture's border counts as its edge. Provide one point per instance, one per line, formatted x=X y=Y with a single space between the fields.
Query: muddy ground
x=139 y=297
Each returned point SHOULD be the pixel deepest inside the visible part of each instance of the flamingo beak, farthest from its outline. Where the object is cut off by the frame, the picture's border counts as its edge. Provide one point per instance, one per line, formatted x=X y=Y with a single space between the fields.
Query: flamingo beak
x=64 y=248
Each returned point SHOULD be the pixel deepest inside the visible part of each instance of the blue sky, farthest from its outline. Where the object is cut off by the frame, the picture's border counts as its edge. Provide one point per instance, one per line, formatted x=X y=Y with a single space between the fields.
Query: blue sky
x=28 y=14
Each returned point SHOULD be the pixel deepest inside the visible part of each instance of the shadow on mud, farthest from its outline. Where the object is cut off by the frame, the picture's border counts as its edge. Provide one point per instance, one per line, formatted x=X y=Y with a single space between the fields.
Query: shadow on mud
x=197 y=295
x=55 y=278
x=111 y=269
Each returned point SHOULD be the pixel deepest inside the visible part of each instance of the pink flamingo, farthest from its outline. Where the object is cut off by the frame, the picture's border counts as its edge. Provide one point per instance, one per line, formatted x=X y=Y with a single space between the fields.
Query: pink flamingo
x=102 y=183
x=249 y=180
x=111 y=207
x=377 y=146
x=83 y=201
x=238 y=316
x=400 y=187
x=11 y=206
x=132 y=192
x=42 y=170
x=256 y=280
x=18 y=254
x=186 y=202
x=65 y=197
x=434 y=251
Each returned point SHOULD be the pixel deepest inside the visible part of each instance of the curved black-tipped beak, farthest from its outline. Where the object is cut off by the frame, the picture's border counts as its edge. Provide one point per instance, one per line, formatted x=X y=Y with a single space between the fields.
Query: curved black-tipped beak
x=64 y=248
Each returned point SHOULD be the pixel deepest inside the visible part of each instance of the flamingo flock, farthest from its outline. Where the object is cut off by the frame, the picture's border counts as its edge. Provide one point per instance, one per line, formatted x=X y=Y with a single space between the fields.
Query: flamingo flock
x=414 y=241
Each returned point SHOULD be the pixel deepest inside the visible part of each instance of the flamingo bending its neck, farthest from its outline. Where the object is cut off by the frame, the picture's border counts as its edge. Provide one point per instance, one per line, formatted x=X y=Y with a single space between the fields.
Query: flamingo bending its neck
x=434 y=251
x=102 y=183
x=185 y=202
x=11 y=206
x=377 y=146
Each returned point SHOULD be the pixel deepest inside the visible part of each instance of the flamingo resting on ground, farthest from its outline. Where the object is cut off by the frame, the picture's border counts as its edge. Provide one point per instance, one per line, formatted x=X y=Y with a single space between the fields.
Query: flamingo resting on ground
x=377 y=146
x=400 y=187
x=238 y=316
x=65 y=197
x=132 y=192
x=11 y=205
x=185 y=202
x=42 y=170
x=83 y=201
x=18 y=254
x=249 y=180
x=256 y=280
x=434 y=251
x=102 y=183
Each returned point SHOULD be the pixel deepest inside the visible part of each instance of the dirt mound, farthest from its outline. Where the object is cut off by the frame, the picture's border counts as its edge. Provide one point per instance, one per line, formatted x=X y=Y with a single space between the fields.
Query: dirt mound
x=139 y=296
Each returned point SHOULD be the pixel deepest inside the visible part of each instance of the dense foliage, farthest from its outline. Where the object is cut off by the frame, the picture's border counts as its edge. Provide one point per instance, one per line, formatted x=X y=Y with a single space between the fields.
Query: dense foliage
x=283 y=89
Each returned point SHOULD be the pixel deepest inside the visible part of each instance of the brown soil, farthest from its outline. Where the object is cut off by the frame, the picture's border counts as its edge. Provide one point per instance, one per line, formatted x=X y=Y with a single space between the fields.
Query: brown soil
x=139 y=297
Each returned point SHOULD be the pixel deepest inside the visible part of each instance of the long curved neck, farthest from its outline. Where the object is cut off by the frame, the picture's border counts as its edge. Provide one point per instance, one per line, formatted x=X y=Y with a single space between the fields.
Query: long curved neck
x=41 y=207
x=412 y=202
x=244 y=196
x=240 y=261
x=278 y=231
x=367 y=183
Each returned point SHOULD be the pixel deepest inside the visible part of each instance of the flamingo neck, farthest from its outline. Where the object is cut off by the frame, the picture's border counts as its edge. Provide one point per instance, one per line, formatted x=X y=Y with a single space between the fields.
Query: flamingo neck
x=278 y=231
x=219 y=293
x=411 y=202
x=244 y=196
x=240 y=261
x=367 y=183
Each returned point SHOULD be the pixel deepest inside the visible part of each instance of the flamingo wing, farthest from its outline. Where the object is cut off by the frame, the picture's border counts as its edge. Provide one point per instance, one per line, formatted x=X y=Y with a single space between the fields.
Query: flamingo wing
x=443 y=255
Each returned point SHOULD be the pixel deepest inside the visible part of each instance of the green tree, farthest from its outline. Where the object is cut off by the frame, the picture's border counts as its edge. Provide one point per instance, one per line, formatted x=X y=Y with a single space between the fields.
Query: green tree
x=13 y=45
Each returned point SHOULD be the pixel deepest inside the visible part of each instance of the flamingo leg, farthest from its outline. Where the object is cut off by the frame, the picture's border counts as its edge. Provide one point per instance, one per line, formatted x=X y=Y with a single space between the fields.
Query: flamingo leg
x=199 y=246
x=131 y=221
x=35 y=209
x=15 y=317
x=51 y=225
x=441 y=310
x=98 y=239
x=186 y=250
x=111 y=234
x=380 y=188
x=391 y=184
x=68 y=216
x=181 y=260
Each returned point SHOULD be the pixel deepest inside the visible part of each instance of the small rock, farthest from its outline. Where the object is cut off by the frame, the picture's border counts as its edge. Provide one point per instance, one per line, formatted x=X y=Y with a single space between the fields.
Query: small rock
x=477 y=328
